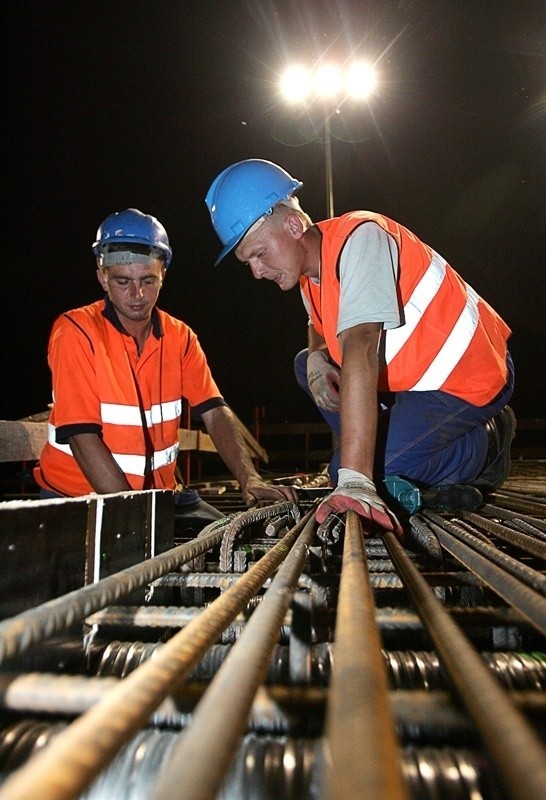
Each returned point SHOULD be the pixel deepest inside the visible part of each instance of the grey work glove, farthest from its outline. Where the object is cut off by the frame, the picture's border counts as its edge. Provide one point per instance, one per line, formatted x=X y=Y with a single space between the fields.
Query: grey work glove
x=323 y=380
x=356 y=492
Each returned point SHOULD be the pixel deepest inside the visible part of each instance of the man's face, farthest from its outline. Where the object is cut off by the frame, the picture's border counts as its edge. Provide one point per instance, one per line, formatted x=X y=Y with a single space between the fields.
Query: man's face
x=274 y=253
x=133 y=288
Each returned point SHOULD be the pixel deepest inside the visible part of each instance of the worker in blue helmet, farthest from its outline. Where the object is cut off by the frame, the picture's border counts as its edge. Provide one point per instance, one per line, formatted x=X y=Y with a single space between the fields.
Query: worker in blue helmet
x=406 y=363
x=121 y=368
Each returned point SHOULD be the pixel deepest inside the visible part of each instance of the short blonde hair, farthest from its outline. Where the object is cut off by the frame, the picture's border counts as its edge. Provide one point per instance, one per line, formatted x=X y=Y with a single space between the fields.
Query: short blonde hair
x=279 y=212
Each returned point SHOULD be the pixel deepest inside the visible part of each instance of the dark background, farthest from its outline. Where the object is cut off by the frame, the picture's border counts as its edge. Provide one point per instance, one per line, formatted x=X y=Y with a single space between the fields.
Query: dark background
x=132 y=103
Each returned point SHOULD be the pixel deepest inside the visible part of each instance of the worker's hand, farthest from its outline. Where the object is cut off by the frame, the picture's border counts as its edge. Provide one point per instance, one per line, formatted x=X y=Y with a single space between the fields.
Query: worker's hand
x=257 y=489
x=356 y=492
x=323 y=380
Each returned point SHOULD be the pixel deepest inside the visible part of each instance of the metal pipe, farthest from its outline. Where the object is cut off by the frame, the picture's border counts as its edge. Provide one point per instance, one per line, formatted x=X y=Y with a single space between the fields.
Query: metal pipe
x=519 y=754
x=219 y=721
x=363 y=751
x=76 y=756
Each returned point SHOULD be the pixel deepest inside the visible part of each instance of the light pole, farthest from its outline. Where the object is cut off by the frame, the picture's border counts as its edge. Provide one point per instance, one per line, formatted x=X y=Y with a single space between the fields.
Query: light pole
x=332 y=85
x=328 y=164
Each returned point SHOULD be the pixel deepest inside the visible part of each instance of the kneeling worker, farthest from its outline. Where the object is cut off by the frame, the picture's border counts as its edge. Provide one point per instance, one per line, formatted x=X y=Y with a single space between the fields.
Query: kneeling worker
x=404 y=360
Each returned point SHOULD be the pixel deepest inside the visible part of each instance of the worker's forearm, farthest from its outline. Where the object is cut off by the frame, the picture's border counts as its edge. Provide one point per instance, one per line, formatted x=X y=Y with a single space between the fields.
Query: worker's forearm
x=358 y=399
x=97 y=464
x=358 y=428
x=225 y=431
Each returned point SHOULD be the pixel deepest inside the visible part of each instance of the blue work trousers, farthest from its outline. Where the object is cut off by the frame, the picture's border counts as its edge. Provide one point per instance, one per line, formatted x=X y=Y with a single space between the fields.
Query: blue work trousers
x=430 y=438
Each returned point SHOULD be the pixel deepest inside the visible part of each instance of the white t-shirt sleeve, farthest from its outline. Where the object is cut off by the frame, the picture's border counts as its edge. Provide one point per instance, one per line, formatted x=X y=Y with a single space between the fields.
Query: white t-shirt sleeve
x=368 y=277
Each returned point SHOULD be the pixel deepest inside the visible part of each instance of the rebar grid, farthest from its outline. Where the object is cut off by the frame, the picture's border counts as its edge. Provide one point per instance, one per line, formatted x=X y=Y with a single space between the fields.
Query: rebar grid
x=77 y=755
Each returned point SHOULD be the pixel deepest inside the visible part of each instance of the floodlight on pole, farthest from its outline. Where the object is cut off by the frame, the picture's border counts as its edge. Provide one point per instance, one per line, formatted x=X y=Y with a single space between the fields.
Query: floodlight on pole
x=332 y=85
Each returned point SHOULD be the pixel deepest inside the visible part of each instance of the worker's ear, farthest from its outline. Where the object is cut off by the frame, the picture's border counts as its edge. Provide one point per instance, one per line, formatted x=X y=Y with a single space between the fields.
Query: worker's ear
x=101 y=277
x=295 y=226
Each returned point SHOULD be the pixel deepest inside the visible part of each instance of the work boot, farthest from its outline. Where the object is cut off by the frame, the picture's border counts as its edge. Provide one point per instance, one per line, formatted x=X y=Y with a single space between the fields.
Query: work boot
x=452 y=497
x=501 y=431
x=405 y=495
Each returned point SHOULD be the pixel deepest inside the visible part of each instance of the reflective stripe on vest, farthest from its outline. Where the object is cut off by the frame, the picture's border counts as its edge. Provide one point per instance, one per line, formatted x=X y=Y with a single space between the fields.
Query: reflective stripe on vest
x=421 y=298
x=116 y=414
x=457 y=341
x=129 y=464
x=453 y=348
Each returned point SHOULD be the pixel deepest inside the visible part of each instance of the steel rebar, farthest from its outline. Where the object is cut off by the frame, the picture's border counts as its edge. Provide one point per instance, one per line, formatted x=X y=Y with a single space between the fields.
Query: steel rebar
x=518 y=753
x=517 y=594
x=359 y=716
x=536 y=580
x=521 y=540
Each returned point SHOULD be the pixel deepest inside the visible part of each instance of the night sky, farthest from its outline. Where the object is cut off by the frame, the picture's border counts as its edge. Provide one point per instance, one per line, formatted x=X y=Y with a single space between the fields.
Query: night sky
x=141 y=103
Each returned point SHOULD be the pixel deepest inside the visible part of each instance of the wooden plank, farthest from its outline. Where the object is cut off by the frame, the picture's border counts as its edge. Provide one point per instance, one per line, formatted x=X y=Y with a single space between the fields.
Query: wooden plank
x=21 y=440
x=195 y=440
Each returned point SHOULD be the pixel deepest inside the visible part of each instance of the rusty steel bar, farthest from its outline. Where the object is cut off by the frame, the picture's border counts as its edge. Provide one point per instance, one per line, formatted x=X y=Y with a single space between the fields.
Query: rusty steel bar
x=505 y=513
x=519 y=504
x=275 y=709
x=144 y=616
x=220 y=717
x=423 y=535
x=521 y=540
x=522 y=525
x=463 y=531
x=258 y=514
x=520 y=596
x=515 y=747
x=19 y=632
x=363 y=752
x=66 y=767
x=221 y=580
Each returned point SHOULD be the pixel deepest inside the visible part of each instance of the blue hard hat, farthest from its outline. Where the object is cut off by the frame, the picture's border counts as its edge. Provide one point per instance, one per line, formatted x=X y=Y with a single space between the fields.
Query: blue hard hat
x=243 y=193
x=132 y=226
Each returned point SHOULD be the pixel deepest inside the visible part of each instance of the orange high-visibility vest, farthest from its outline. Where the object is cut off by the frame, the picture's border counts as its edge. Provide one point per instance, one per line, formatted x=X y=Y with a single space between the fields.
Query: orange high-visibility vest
x=449 y=339
x=102 y=385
